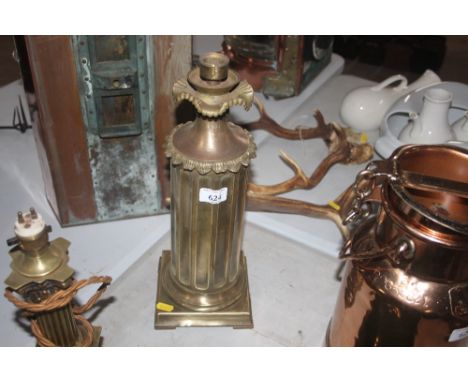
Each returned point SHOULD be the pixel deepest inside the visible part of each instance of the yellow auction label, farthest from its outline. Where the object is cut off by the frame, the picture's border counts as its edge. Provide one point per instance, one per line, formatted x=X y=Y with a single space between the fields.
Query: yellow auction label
x=164 y=307
x=334 y=205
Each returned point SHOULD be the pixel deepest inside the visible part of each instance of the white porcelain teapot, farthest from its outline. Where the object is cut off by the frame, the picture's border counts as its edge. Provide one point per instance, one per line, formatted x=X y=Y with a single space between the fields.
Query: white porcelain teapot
x=364 y=108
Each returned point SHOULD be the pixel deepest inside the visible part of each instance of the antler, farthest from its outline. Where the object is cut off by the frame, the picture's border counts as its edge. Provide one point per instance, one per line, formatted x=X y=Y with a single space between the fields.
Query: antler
x=332 y=211
x=266 y=123
x=343 y=146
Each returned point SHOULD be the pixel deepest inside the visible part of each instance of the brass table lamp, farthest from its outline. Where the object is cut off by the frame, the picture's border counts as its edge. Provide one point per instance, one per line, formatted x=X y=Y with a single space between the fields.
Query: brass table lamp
x=41 y=276
x=203 y=280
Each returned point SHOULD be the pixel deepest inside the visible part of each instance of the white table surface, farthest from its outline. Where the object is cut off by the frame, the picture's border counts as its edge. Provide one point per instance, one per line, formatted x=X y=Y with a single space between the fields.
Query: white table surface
x=292 y=288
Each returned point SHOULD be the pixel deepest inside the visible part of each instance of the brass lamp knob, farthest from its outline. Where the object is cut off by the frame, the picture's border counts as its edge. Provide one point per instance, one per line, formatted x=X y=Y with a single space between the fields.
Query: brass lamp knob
x=214 y=67
x=213 y=88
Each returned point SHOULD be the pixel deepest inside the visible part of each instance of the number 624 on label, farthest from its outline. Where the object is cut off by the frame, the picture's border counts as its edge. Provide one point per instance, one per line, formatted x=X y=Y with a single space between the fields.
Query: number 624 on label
x=208 y=195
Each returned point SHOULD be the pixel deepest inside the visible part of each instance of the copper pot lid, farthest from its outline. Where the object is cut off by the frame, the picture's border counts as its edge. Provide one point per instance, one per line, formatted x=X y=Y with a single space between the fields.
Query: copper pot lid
x=431 y=181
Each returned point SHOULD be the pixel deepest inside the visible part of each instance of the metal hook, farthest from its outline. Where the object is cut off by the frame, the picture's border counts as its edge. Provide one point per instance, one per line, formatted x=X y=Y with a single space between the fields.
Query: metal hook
x=20 y=121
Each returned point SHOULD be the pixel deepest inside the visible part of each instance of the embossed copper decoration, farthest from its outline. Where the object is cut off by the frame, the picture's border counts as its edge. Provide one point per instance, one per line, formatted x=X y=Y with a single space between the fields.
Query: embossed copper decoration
x=202 y=281
x=41 y=276
x=406 y=278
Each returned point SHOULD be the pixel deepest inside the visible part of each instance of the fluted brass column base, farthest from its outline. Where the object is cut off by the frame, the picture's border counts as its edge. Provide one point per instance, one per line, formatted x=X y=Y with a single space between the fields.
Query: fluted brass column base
x=238 y=315
x=97 y=339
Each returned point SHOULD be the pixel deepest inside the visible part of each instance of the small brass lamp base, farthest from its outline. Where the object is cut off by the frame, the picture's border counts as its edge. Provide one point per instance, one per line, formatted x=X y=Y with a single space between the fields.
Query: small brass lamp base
x=97 y=339
x=237 y=315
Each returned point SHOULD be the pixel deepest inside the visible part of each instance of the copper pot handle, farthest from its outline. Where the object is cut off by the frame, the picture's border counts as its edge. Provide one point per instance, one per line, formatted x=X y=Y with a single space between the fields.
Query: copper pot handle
x=369 y=181
x=399 y=249
x=366 y=189
x=431 y=183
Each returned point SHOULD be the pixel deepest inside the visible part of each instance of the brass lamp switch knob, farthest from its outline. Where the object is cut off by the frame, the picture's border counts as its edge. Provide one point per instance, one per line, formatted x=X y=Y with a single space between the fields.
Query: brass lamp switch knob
x=12 y=241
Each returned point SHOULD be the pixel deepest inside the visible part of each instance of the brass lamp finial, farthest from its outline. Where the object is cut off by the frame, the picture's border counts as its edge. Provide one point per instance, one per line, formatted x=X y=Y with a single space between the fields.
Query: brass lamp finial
x=214 y=67
x=213 y=88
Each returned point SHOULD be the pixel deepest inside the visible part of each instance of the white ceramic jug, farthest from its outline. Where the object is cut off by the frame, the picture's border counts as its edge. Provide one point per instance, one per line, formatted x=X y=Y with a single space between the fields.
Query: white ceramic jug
x=364 y=108
x=460 y=128
x=431 y=126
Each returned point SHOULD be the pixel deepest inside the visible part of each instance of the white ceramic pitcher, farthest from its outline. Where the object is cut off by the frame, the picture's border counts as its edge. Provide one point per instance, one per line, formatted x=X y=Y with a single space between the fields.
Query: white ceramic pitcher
x=364 y=108
x=431 y=126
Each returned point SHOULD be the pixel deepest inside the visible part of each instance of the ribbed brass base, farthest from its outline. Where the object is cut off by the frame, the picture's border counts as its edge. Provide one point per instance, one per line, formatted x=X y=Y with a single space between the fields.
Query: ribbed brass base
x=238 y=315
x=97 y=339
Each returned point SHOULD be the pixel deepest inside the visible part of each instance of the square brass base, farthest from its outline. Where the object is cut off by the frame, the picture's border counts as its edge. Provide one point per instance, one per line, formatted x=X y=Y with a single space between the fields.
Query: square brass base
x=97 y=339
x=238 y=315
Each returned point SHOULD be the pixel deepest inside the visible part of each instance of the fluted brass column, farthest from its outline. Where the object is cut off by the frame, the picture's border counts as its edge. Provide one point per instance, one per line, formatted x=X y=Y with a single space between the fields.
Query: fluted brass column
x=203 y=281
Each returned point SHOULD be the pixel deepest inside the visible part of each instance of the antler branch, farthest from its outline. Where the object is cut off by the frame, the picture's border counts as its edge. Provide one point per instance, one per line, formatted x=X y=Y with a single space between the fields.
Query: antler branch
x=265 y=122
x=332 y=211
x=344 y=147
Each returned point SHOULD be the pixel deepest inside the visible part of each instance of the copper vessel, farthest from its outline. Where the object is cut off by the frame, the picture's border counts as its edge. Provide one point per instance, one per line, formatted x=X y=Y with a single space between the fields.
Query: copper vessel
x=406 y=275
x=203 y=280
